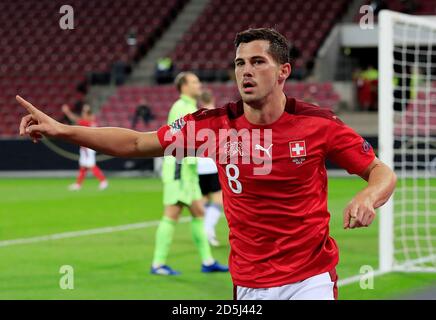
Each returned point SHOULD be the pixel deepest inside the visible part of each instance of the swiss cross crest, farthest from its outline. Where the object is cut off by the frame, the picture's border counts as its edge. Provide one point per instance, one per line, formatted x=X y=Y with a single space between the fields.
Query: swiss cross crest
x=297 y=149
x=233 y=149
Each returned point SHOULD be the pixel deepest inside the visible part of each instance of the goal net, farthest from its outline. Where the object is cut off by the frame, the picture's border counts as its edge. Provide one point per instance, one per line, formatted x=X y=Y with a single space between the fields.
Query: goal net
x=407 y=140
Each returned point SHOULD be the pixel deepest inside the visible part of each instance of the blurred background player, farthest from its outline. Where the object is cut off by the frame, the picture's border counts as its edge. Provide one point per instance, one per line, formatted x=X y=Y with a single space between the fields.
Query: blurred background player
x=142 y=112
x=87 y=156
x=181 y=188
x=209 y=183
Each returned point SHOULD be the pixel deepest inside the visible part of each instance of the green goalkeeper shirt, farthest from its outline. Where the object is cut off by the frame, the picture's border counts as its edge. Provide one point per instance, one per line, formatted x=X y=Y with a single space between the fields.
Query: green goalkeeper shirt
x=187 y=169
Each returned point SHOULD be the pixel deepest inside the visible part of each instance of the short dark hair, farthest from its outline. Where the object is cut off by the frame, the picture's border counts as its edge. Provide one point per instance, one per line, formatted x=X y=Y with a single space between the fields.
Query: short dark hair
x=181 y=79
x=278 y=45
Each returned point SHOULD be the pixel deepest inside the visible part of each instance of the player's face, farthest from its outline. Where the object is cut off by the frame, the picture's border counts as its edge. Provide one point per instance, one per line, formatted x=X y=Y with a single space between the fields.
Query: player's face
x=192 y=86
x=86 y=114
x=256 y=71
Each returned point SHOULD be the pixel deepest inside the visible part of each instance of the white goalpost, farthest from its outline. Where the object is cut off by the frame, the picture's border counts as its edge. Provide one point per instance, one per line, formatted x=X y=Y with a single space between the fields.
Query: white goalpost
x=407 y=140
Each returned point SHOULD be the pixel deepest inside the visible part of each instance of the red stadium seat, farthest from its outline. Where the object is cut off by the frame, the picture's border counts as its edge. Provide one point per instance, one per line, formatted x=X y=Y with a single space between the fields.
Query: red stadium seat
x=49 y=65
x=119 y=108
x=222 y=19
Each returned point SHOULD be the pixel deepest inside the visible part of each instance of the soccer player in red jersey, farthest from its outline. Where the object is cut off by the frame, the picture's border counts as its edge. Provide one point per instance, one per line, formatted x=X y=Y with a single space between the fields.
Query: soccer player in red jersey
x=87 y=156
x=270 y=151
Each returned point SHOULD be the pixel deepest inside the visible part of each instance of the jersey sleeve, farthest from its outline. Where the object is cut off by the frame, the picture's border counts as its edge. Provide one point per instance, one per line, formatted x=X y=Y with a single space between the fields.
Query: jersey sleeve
x=189 y=135
x=348 y=149
x=84 y=123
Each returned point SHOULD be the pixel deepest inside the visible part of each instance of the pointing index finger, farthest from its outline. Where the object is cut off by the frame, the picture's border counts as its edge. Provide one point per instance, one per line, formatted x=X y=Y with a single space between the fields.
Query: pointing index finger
x=26 y=104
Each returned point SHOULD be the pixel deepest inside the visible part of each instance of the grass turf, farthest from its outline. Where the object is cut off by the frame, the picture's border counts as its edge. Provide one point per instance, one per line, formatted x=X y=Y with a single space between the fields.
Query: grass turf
x=116 y=265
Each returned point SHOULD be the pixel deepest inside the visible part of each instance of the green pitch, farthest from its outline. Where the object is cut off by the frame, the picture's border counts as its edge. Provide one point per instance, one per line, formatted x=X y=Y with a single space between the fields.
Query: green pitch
x=115 y=265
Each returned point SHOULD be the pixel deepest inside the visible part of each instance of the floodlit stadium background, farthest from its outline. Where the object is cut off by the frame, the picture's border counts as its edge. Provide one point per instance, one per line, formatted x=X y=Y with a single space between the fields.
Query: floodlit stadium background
x=112 y=54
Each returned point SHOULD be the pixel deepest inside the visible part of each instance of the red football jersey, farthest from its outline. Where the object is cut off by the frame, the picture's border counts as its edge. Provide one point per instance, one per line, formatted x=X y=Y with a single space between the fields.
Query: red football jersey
x=278 y=218
x=86 y=123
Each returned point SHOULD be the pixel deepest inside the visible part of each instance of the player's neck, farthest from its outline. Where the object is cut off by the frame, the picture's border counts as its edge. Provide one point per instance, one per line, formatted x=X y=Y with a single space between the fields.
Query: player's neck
x=267 y=111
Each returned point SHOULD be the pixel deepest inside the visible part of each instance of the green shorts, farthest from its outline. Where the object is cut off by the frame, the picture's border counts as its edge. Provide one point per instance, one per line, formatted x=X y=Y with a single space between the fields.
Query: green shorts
x=181 y=191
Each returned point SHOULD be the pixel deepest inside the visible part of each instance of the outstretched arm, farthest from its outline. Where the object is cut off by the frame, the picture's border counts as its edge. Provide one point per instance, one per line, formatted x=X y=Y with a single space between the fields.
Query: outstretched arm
x=360 y=212
x=117 y=142
x=70 y=115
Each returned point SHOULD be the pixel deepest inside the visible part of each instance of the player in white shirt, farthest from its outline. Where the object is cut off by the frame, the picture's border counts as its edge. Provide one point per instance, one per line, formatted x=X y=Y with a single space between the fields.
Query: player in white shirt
x=209 y=183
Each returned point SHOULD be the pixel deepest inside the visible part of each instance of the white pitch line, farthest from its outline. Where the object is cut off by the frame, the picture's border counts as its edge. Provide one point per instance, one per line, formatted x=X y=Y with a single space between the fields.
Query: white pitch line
x=82 y=233
x=360 y=277
x=133 y=226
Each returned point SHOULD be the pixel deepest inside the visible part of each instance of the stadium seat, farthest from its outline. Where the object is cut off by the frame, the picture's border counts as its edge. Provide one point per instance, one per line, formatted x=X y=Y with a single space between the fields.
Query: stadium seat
x=49 y=65
x=297 y=20
x=120 y=108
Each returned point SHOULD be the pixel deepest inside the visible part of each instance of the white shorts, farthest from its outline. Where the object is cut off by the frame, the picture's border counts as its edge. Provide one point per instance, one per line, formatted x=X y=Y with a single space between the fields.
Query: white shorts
x=319 y=287
x=206 y=166
x=87 y=157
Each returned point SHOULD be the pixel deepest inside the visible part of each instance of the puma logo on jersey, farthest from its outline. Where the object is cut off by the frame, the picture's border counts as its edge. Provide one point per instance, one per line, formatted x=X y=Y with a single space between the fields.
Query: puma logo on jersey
x=259 y=147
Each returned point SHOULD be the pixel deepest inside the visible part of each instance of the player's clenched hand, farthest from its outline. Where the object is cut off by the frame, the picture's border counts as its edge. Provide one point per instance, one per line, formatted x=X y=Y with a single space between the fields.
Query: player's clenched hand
x=359 y=212
x=37 y=124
